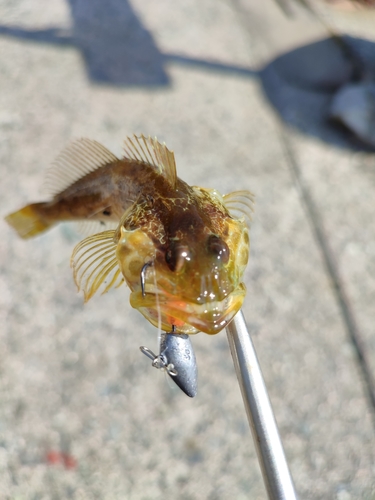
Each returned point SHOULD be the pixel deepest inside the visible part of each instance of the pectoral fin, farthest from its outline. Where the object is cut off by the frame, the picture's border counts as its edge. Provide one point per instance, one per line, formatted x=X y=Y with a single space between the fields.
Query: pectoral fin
x=95 y=265
x=240 y=202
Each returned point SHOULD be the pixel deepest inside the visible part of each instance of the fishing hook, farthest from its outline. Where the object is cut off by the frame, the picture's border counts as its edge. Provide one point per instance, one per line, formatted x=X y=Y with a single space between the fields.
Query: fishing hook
x=143 y=277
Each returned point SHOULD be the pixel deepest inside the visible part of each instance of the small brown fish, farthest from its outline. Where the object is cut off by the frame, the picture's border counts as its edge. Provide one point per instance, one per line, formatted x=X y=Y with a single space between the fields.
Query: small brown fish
x=180 y=248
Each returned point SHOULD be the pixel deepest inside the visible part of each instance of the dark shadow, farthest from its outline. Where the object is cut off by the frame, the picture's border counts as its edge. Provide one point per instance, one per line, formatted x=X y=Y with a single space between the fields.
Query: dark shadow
x=300 y=86
x=116 y=48
x=210 y=65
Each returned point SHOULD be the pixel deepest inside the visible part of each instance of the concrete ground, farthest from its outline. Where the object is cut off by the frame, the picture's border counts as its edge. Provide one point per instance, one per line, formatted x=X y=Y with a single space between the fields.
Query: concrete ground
x=83 y=415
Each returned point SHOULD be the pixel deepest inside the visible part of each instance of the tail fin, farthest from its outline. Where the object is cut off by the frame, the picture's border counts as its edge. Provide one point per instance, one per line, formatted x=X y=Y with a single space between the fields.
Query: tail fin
x=27 y=221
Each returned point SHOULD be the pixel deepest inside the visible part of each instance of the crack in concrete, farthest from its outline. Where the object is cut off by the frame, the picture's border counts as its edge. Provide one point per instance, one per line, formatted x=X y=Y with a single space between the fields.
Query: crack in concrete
x=341 y=296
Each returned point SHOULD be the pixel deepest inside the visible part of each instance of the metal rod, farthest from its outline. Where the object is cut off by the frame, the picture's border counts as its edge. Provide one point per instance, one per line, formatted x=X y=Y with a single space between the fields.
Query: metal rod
x=275 y=470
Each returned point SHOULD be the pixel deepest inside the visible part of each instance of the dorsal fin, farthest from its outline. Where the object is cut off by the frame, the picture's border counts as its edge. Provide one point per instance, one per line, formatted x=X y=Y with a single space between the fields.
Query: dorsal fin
x=241 y=202
x=74 y=162
x=150 y=151
x=95 y=264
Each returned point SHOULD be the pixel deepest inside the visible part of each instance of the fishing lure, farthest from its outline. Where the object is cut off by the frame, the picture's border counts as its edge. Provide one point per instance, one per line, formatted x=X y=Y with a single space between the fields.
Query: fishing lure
x=181 y=249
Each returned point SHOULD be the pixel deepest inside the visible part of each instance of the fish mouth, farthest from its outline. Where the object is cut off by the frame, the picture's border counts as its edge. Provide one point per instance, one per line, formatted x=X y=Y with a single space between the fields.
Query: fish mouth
x=165 y=310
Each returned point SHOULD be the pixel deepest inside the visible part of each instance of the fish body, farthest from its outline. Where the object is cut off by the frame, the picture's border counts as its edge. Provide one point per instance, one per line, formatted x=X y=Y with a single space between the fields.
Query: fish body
x=180 y=248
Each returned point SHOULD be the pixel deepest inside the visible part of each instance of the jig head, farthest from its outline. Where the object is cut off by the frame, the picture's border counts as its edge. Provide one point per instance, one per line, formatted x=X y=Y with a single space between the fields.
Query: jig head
x=176 y=356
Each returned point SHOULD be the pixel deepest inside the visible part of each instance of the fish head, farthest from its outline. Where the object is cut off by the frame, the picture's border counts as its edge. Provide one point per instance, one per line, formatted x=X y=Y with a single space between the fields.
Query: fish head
x=194 y=280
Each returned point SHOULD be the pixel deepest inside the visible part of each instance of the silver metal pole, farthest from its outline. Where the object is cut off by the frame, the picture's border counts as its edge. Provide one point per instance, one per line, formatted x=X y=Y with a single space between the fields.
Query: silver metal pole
x=262 y=422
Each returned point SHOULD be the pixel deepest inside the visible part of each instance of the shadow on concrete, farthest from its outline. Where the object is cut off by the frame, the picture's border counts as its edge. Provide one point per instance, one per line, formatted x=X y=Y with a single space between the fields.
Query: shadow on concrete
x=301 y=84
x=116 y=48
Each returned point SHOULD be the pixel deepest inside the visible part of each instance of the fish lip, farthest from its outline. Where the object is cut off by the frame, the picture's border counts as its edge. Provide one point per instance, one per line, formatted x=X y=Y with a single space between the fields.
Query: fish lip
x=209 y=296
x=209 y=317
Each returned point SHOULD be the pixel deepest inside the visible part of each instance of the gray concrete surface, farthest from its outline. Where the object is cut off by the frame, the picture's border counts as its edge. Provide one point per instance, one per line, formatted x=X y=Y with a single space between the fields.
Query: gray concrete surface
x=72 y=378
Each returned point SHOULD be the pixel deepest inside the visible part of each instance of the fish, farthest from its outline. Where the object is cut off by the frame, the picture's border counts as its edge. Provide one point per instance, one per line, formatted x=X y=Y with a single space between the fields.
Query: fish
x=181 y=249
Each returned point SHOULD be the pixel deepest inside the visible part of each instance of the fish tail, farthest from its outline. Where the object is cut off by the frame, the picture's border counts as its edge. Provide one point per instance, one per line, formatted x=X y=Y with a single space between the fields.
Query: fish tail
x=28 y=221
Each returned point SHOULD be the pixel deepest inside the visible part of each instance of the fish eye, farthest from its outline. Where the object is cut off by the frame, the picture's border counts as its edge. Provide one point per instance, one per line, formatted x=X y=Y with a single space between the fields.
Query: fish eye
x=218 y=247
x=176 y=255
